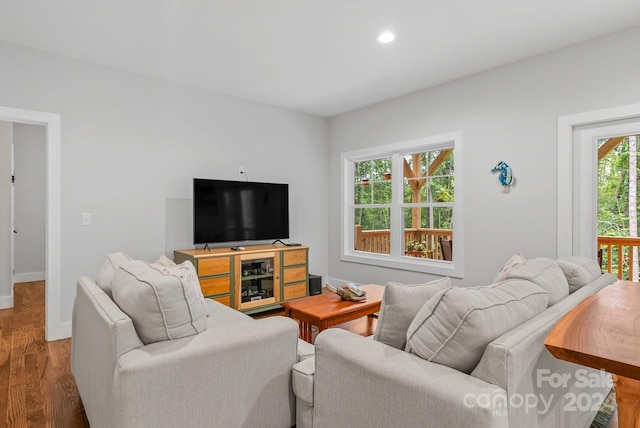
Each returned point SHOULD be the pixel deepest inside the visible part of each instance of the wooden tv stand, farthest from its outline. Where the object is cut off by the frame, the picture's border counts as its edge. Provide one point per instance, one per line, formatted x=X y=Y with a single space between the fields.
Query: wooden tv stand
x=255 y=279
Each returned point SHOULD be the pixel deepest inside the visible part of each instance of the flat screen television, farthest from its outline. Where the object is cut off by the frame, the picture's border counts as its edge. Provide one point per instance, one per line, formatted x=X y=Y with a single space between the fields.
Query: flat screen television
x=237 y=211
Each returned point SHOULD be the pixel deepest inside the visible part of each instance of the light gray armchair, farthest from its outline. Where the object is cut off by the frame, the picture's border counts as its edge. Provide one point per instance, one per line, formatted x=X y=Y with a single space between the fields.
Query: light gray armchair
x=236 y=373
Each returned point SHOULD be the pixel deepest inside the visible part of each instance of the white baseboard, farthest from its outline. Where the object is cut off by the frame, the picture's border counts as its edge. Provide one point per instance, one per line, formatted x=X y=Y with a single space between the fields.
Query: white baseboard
x=61 y=331
x=28 y=277
x=6 y=302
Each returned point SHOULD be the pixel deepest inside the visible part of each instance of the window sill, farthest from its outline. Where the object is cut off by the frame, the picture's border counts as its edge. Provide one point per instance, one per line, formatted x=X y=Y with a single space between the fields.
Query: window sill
x=435 y=267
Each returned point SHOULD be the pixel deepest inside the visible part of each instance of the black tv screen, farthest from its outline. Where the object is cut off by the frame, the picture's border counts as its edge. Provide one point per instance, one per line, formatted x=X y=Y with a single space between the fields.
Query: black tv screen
x=235 y=211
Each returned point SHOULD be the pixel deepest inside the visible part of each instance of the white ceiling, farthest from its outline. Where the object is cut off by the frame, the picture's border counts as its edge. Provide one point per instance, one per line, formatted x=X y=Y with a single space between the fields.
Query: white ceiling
x=314 y=56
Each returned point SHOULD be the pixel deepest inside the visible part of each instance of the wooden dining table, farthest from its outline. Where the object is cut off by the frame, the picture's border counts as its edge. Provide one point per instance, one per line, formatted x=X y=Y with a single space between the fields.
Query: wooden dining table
x=603 y=332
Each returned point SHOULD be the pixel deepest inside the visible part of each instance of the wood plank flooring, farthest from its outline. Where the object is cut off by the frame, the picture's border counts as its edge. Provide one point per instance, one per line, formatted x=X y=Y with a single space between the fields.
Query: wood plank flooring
x=37 y=388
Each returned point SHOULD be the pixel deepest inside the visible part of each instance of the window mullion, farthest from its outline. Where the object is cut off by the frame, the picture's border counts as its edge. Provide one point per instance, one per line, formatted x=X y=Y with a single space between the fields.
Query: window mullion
x=349 y=201
x=397 y=226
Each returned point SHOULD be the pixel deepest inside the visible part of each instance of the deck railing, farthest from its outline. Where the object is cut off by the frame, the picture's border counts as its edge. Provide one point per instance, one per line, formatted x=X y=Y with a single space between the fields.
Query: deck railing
x=378 y=241
x=617 y=255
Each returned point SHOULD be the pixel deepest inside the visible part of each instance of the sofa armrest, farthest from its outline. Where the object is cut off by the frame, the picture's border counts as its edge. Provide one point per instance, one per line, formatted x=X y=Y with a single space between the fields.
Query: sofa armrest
x=236 y=375
x=519 y=362
x=362 y=382
x=101 y=333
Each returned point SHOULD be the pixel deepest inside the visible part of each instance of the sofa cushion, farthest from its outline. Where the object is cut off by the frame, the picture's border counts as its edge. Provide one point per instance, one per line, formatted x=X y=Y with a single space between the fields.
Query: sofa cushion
x=162 y=307
x=545 y=273
x=399 y=306
x=107 y=270
x=516 y=260
x=303 y=380
x=221 y=315
x=186 y=271
x=579 y=271
x=165 y=261
x=305 y=350
x=454 y=327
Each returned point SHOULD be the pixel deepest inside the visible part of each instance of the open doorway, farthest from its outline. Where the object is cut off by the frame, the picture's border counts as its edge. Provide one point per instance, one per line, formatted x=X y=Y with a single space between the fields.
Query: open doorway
x=29 y=180
x=22 y=216
x=618 y=205
x=54 y=328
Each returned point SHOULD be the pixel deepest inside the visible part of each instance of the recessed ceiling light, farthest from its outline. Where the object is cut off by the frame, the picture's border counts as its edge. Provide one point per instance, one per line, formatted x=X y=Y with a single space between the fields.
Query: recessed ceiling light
x=386 y=37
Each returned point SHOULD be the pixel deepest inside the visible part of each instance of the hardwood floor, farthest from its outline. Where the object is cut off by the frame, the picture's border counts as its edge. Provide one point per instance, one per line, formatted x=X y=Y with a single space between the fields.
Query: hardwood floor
x=37 y=388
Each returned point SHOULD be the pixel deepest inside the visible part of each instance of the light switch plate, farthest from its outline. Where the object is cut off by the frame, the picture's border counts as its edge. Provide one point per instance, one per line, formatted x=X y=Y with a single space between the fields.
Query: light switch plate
x=86 y=219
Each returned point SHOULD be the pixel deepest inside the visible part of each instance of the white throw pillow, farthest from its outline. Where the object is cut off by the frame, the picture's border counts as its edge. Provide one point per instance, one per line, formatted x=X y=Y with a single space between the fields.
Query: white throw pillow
x=185 y=271
x=455 y=326
x=400 y=304
x=545 y=273
x=516 y=260
x=579 y=271
x=107 y=270
x=162 y=307
x=165 y=261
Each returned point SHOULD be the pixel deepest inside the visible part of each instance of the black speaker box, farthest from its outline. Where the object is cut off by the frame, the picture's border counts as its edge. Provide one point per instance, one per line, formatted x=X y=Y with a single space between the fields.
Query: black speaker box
x=315 y=285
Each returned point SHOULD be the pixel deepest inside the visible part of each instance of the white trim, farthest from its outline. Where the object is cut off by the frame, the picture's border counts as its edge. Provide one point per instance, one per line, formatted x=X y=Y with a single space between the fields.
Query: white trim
x=565 y=200
x=29 y=277
x=12 y=202
x=54 y=327
x=585 y=180
x=6 y=302
x=395 y=260
x=63 y=330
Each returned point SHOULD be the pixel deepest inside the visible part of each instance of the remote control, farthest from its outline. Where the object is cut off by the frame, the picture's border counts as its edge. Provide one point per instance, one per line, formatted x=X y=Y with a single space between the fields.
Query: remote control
x=237 y=248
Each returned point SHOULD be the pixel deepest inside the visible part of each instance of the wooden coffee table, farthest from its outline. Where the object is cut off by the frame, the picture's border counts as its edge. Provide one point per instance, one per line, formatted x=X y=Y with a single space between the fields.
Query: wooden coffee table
x=328 y=309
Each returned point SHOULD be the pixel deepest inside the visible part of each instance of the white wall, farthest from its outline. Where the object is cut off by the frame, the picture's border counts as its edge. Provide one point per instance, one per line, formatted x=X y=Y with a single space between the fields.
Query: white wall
x=509 y=114
x=131 y=146
x=6 y=283
x=29 y=202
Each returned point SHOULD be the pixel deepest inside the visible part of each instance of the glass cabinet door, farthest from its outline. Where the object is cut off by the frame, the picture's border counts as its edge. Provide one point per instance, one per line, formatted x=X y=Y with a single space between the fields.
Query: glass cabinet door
x=259 y=280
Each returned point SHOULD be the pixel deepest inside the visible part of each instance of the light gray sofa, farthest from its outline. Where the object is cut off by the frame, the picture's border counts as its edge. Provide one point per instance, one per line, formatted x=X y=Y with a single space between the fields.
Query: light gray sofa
x=355 y=381
x=236 y=373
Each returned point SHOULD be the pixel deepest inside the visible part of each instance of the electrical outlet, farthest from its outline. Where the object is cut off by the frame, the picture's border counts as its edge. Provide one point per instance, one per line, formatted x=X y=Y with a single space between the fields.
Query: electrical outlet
x=241 y=169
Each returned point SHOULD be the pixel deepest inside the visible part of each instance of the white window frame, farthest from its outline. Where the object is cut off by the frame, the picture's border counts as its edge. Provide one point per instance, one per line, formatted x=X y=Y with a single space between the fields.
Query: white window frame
x=396 y=259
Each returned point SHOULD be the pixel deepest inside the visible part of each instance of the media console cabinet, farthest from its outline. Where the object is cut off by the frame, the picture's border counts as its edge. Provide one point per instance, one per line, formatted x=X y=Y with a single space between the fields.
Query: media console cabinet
x=252 y=280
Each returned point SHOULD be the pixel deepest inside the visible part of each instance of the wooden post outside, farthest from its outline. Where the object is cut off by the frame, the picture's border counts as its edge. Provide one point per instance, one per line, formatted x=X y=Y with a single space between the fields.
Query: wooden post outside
x=357 y=239
x=631 y=263
x=620 y=260
x=415 y=192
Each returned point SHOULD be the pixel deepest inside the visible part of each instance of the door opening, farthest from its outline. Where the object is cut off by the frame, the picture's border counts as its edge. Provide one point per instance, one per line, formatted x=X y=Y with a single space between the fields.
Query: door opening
x=618 y=205
x=54 y=327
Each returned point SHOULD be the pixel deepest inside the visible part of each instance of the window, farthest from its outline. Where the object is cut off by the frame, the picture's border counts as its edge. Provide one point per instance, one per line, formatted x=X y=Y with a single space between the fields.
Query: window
x=400 y=208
